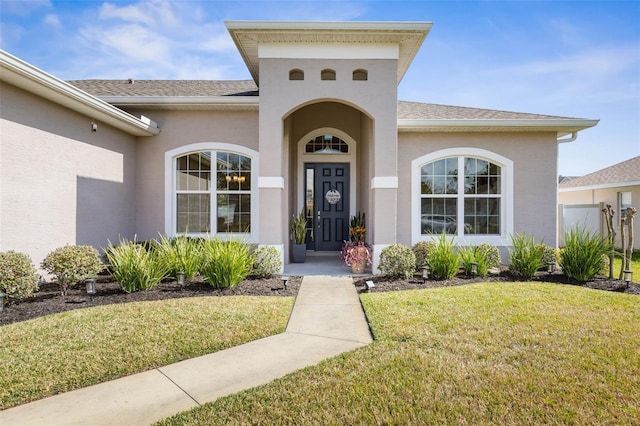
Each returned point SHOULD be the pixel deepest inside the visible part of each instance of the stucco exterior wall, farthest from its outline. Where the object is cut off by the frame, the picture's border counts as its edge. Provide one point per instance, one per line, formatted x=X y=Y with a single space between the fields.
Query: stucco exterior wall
x=370 y=105
x=534 y=157
x=181 y=128
x=605 y=196
x=60 y=182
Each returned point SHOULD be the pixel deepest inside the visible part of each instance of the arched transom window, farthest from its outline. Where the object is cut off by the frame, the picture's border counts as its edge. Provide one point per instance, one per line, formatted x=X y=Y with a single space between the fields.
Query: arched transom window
x=326 y=144
x=212 y=192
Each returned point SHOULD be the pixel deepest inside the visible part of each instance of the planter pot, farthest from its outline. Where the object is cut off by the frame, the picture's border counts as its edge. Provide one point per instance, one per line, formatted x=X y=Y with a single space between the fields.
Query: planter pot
x=299 y=253
x=358 y=267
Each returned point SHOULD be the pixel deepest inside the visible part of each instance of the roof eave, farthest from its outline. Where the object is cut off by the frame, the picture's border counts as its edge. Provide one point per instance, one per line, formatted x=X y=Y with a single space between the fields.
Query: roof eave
x=27 y=77
x=600 y=186
x=186 y=102
x=560 y=126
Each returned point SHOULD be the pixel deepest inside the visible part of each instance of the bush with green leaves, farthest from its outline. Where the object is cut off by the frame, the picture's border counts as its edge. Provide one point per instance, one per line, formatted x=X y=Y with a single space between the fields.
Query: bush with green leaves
x=180 y=254
x=490 y=253
x=134 y=266
x=549 y=255
x=584 y=254
x=72 y=264
x=444 y=261
x=422 y=250
x=525 y=256
x=470 y=257
x=18 y=278
x=226 y=263
x=397 y=260
x=266 y=262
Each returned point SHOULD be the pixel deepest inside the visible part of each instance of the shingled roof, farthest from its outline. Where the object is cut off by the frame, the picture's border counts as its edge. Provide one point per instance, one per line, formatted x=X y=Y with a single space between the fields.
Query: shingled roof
x=230 y=88
x=167 y=88
x=627 y=172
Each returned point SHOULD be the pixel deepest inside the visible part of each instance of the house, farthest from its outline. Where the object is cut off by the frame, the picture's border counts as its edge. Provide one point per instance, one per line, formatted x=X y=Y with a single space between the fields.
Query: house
x=319 y=128
x=582 y=199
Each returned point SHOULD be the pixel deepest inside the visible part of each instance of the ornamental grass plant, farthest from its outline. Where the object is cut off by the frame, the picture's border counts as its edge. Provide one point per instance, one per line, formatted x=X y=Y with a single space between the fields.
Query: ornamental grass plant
x=134 y=266
x=180 y=254
x=443 y=260
x=525 y=257
x=226 y=263
x=584 y=254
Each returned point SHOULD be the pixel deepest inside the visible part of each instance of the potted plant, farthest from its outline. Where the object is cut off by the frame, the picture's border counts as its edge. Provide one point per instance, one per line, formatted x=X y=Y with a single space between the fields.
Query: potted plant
x=298 y=228
x=356 y=253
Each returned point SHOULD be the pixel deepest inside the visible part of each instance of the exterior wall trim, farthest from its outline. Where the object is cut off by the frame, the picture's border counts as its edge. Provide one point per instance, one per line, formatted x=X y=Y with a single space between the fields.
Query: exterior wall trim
x=384 y=182
x=271 y=182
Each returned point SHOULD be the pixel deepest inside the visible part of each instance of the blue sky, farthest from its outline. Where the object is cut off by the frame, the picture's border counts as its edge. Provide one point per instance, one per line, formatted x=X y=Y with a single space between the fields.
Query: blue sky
x=573 y=58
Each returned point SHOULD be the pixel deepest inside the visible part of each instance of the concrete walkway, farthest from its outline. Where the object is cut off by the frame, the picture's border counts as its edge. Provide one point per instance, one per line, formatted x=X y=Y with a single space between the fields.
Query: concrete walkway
x=327 y=319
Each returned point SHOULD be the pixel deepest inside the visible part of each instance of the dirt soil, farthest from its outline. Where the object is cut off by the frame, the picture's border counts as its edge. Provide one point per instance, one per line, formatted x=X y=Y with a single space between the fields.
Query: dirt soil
x=48 y=299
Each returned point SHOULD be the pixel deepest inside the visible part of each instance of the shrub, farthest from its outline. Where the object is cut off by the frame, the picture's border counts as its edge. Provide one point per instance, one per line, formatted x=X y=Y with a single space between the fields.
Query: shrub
x=134 y=266
x=72 y=264
x=226 y=263
x=549 y=254
x=397 y=260
x=584 y=253
x=525 y=258
x=443 y=261
x=422 y=250
x=469 y=256
x=266 y=262
x=18 y=277
x=180 y=254
x=490 y=253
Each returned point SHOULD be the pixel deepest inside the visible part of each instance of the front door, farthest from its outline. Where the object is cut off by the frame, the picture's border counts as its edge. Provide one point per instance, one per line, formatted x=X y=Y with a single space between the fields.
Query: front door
x=327 y=205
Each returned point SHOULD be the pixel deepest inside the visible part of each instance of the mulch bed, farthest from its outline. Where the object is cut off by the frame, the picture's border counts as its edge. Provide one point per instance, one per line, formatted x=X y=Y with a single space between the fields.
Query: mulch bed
x=49 y=301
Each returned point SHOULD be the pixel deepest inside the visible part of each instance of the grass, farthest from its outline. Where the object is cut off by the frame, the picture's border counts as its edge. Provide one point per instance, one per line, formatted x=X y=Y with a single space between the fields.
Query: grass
x=61 y=352
x=492 y=353
x=635 y=266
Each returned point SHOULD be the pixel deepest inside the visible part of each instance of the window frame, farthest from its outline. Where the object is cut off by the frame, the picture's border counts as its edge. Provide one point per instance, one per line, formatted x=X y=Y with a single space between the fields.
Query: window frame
x=506 y=197
x=171 y=190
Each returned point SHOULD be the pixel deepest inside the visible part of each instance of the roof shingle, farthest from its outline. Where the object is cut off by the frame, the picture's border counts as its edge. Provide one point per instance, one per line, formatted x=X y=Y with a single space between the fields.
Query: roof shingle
x=626 y=171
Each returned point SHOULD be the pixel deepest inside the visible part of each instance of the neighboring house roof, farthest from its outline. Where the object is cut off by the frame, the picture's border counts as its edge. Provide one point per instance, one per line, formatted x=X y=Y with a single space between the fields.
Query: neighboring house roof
x=27 y=77
x=244 y=94
x=408 y=36
x=626 y=173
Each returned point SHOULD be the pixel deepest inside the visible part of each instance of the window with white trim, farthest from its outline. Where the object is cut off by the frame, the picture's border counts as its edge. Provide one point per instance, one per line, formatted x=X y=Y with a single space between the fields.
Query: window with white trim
x=462 y=192
x=212 y=198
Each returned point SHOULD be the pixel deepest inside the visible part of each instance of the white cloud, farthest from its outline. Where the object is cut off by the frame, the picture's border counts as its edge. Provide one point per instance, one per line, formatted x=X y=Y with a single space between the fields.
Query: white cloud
x=153 y=12
x=52 y=20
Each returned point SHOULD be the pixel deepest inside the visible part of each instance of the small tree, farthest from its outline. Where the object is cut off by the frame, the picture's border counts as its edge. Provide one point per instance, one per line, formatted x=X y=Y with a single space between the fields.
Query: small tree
x=611 y=234
x=627 y=251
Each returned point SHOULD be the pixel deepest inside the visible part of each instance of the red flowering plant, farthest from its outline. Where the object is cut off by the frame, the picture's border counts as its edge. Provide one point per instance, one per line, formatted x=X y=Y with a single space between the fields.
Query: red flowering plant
x=355 y=252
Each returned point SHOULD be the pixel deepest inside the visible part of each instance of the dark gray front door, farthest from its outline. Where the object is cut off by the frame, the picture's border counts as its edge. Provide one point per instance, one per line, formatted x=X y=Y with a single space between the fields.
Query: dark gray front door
x=327 y=201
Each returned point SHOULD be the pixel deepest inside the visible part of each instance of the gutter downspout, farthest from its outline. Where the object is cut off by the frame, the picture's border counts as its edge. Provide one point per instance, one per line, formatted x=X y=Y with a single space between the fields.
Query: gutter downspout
x=573 y=137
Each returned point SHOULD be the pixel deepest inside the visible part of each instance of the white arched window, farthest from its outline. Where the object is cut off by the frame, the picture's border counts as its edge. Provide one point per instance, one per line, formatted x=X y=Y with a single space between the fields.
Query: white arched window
x=462 y=192
x=210 y=189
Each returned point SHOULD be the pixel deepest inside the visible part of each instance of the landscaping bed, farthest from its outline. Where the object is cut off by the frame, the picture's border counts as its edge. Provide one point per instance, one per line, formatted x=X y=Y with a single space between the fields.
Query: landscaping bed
x=49 y=301
x=384 y=283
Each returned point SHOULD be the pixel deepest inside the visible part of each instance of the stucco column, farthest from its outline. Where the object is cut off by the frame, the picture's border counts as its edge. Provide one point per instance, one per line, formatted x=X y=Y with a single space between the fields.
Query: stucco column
x=271 y=182
x=384 y=184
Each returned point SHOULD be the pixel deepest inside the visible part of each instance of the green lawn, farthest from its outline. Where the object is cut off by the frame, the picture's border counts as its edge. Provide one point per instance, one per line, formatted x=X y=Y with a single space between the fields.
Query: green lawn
x=61 y=352
x=635 y=266
x=496 y=353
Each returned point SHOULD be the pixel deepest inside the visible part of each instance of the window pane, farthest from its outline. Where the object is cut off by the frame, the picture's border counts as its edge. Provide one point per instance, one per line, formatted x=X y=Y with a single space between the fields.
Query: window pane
x=193 y=213
x=234 y=213
x=438 y=215
x=482 y=216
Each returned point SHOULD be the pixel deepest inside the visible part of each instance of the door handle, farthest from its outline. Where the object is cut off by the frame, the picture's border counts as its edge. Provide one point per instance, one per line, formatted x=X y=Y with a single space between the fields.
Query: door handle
x=318 y=219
